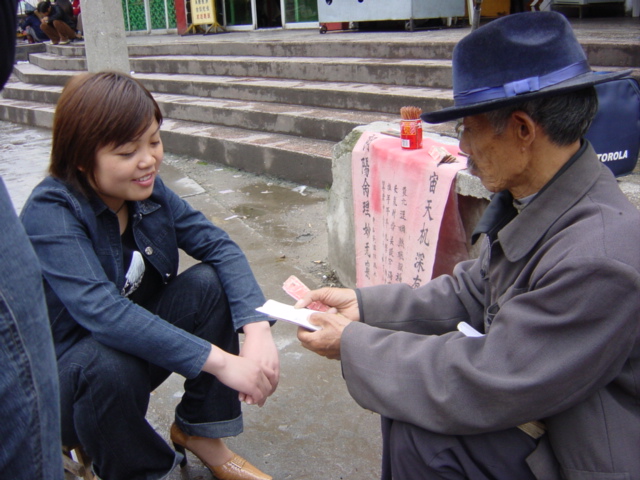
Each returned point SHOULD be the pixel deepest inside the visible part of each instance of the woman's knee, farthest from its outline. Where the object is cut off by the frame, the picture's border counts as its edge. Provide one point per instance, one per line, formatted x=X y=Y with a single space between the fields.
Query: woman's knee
x=94 y=377
x=99 y=368
x=202 y=285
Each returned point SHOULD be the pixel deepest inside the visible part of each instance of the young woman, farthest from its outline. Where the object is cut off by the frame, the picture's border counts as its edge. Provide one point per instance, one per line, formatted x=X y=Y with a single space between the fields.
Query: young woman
x=107 y=232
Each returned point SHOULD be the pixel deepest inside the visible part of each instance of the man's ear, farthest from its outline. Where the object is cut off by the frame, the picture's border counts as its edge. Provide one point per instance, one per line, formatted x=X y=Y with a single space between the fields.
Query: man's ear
x=524 y=127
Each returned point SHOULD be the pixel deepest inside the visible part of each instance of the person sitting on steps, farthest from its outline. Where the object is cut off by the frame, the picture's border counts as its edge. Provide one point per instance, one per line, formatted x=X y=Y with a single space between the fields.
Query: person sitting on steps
x=30 y=25
x=56 y=24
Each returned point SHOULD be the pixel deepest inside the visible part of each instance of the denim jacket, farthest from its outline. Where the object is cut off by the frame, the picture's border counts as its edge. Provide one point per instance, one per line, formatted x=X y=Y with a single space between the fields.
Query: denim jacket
x=77 y=240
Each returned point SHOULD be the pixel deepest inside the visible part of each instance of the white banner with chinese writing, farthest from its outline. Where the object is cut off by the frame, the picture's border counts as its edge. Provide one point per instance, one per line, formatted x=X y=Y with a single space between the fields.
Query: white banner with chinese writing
x=407 y=224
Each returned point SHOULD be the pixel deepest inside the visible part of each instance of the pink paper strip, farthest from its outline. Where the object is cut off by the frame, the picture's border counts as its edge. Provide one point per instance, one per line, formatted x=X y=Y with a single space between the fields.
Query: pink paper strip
x=400 y=197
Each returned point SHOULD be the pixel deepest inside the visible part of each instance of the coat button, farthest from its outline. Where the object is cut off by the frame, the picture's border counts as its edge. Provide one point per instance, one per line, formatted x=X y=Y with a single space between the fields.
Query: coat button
x=148 y=251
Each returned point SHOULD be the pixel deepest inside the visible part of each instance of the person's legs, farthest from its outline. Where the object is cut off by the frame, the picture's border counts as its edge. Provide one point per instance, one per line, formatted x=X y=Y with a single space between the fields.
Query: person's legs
x=50 y=32
x=195 y=301
x=37 y=38
x=30 y=445
x=417 y=454
x=209 y=410
x=79 y=26
x=65 y=32
x=104 y=397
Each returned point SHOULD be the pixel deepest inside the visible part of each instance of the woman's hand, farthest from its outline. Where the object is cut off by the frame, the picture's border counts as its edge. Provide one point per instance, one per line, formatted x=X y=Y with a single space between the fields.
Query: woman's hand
x=343 y=300
x=242 y=374
x=259 y=346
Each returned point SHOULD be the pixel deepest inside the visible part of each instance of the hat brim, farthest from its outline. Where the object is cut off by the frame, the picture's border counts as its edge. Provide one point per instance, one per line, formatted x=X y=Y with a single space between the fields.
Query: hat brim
x=576 y=83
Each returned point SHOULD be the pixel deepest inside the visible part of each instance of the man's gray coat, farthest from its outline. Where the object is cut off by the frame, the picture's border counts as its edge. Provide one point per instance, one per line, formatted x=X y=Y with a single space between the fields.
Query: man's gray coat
x=556 y=289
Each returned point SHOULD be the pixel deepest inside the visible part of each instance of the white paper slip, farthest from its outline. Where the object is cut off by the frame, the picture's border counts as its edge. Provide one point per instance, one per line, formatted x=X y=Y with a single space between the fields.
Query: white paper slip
x=282 y=311
x=468 y=330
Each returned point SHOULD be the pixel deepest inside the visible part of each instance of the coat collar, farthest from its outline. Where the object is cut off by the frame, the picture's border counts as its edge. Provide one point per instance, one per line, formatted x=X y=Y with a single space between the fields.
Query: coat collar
x=519 y=233
x=143 y=207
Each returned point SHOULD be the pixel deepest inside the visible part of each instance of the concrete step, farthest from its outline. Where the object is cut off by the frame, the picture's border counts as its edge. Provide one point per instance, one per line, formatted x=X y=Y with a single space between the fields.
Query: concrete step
x=51 y=61
x=606 y=52
x=313 y=47
x=276 y=102
x=298 y=120
x=316 y=47
x=27 y=112
x=339 y=95
x=300 y=160
x=350 y=96
x=424 y=73
x=378 y=71
x=33 y=74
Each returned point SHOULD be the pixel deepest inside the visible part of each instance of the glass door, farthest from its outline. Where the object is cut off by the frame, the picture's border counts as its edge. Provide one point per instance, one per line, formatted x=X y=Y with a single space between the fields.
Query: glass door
x=300 y=13
x=239 y=14
x=252 y=14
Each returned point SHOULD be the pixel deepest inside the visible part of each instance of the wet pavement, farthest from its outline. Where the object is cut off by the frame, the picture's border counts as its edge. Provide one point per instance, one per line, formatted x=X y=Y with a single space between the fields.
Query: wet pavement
x=310 y=428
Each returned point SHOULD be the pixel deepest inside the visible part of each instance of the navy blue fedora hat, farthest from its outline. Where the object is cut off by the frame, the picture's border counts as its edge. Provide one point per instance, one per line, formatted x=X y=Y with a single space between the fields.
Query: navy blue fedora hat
x=514 y=59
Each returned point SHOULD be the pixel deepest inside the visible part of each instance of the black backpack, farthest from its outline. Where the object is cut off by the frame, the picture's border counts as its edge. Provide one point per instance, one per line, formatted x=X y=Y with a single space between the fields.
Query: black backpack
x=615 y=131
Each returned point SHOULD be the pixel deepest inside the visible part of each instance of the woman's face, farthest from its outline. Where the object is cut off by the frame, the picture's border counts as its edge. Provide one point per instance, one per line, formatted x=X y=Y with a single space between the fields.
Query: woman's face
x=128 y=172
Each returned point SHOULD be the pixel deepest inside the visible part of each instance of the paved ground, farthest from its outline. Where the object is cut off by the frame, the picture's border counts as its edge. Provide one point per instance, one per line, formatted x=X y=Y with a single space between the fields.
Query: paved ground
x=614 y=29
x=310 y=428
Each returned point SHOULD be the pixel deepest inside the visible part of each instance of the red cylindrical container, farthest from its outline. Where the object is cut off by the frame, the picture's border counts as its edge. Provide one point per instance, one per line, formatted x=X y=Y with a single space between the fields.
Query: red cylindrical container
x=411 y=133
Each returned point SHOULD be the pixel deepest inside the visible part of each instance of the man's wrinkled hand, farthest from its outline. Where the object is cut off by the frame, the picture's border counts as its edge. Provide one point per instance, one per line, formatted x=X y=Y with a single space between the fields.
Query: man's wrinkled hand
x=343 y=300
x=325 y=342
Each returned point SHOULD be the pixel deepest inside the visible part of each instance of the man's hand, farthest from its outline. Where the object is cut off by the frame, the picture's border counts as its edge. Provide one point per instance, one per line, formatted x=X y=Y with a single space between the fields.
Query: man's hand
x=343 y=300
x=325 y=342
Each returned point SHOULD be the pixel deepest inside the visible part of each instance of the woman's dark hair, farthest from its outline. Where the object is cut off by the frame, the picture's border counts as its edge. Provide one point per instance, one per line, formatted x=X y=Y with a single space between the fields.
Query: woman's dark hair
x=96 y=110
x=43 y=7
x=564 y=118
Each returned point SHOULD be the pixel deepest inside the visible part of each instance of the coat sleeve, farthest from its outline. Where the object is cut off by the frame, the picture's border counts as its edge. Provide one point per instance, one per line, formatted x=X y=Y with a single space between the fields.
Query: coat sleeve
x=434 y=308
x=206 y=242
x=549 y=348
x=72 y=269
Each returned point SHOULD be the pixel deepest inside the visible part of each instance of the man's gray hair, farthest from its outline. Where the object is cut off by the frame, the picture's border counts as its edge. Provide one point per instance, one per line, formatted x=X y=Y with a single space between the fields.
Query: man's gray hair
x=564 y=118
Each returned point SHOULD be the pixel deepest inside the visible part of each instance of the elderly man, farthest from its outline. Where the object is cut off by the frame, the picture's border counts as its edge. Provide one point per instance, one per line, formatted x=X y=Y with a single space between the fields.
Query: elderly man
x=549 y=388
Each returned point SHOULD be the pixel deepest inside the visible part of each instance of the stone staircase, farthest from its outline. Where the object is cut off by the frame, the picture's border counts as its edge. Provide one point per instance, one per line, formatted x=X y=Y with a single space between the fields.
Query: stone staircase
x=270 y=107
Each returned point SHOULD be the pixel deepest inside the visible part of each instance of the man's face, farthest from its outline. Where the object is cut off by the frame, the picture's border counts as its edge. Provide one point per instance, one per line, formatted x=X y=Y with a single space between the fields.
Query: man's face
x=493 y=157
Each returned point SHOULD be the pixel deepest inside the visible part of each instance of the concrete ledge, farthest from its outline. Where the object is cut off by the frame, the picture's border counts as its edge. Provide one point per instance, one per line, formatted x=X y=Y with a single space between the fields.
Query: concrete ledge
x=23 y=51
x=472 y=200
x=296 y=159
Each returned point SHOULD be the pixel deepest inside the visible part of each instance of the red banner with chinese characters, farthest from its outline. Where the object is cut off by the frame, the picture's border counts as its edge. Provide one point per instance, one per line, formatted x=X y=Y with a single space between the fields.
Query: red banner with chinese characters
x=407 y=224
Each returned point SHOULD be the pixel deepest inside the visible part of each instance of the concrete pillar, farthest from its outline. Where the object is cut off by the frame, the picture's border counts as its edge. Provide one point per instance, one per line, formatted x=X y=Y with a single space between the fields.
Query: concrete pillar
x=104 y=36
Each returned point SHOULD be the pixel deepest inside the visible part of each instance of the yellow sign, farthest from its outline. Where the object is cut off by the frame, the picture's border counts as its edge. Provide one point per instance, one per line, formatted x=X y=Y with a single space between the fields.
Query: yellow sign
x=203 y=12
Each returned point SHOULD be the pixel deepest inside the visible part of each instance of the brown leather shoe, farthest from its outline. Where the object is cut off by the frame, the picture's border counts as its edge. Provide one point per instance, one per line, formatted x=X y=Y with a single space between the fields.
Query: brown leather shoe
x=235 y=469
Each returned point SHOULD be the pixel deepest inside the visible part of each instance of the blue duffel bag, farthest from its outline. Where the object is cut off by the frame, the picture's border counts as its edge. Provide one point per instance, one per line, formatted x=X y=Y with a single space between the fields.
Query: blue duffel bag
x=615 y=131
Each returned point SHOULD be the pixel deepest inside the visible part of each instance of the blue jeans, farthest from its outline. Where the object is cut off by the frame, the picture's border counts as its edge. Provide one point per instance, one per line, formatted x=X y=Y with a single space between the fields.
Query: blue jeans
x=29 y=415
x=105 y=392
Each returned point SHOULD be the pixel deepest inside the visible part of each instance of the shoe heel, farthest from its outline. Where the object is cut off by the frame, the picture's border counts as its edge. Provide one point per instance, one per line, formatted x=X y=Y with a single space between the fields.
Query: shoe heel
x=180 y=449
